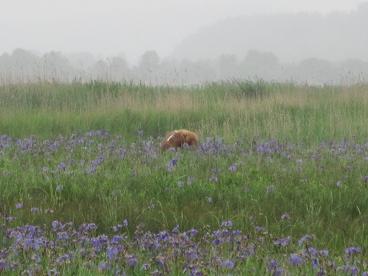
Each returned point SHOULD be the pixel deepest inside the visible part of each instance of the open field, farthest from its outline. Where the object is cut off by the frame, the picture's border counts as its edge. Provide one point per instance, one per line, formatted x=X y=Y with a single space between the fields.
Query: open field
x=285 y=165
x=283 y=111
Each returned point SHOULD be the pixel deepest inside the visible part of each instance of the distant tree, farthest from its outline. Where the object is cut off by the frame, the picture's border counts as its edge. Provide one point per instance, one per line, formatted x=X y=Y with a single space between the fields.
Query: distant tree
x=198 y=72
x=257 y=64
x=81 y=60
x=118 y=69
x=5 y=64
x=316 y=71
x=25 y=66
x=149 y=66
x=149 y=61
x=100 y=71
x=227 y=66
x=56 y=67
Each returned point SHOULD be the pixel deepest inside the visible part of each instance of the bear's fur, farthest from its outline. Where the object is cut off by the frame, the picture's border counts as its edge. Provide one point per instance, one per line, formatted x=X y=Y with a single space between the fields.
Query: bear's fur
x=178 y=138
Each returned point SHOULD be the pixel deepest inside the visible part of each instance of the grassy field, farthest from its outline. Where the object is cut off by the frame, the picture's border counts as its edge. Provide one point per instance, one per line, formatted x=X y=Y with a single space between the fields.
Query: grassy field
x=233 y=111
x=285 y=165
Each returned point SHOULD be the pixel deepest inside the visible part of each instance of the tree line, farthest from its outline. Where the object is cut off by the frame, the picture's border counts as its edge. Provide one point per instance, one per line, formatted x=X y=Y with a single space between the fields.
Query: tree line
x=22 y=66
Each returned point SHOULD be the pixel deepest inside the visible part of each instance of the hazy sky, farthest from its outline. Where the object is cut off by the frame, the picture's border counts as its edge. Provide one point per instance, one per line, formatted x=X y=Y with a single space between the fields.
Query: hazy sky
x=128 y=26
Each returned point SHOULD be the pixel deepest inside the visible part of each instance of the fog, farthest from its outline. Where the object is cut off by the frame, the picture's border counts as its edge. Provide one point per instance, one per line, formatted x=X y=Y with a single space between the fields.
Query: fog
x=184 y=42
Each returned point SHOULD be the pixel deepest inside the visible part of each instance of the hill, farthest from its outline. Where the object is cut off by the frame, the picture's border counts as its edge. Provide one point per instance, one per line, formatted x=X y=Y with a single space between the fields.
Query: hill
x=291 y=37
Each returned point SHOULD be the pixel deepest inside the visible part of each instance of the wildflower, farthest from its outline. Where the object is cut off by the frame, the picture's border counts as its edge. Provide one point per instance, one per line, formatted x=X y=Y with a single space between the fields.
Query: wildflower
x=195 y=272
x=94 y=164
x=350 y=251
x=146 y=266
x=63 y=259
x=125 y=223
x=3 y=265
x=131 y=260
x=338 y=184
x=315 y=263
x=112 y=252
x=160 y=260
x=192 y=232
x=61 y=166
x=122 y=153
x=91 y=170
x=227 y=224
x=163 y=236
x=296 y=260
x=272 y=265
x=117 y=228
x=278 y=272
x=191 y=255
x=10 y=218
x=228 y=264
x=285 y=216
x=171 y=165
x=305 y=240
x=260 y=229
x=19 y=205
x=35 y=210
x=236 y=232
x=216 y=242
x=283 y=242
x=116 y=239
x=312 y=251
x=36 y=258
x=98 y=161
x=103 y=266
x=56 y=225
x=233 y=167
x=352 y=270
x=176 y=229
x=269 y=147
x=97 y=244
x=323 y=252
x=62 y=236
x=87 y=227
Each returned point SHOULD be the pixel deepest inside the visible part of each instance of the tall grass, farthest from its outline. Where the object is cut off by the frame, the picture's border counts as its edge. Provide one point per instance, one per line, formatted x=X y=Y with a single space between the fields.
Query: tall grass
x=284 y=111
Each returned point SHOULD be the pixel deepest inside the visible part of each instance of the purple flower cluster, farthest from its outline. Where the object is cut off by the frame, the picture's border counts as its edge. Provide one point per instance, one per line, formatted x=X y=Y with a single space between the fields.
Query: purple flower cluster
x=270 y=147
x=193 y=252
x=215 y=146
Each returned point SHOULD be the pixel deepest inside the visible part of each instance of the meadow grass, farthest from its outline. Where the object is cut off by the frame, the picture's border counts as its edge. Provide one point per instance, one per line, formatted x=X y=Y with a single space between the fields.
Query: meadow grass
x=284 y=111
x=293 y=160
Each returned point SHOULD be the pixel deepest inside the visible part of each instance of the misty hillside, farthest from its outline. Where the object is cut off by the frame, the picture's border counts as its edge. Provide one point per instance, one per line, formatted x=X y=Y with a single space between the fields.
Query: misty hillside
x=291 y=37
x=303 y=47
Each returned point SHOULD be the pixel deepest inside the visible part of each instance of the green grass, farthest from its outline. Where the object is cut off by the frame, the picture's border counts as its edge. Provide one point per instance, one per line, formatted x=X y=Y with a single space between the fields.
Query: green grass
x=283 y=111
x=140 y=188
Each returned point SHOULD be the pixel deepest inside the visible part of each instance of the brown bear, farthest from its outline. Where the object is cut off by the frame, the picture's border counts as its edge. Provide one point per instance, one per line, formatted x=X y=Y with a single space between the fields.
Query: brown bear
x=178 y=138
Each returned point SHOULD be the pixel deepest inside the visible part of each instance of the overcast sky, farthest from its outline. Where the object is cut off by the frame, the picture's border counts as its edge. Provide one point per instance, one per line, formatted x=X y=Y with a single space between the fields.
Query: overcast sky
x=128 y=26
